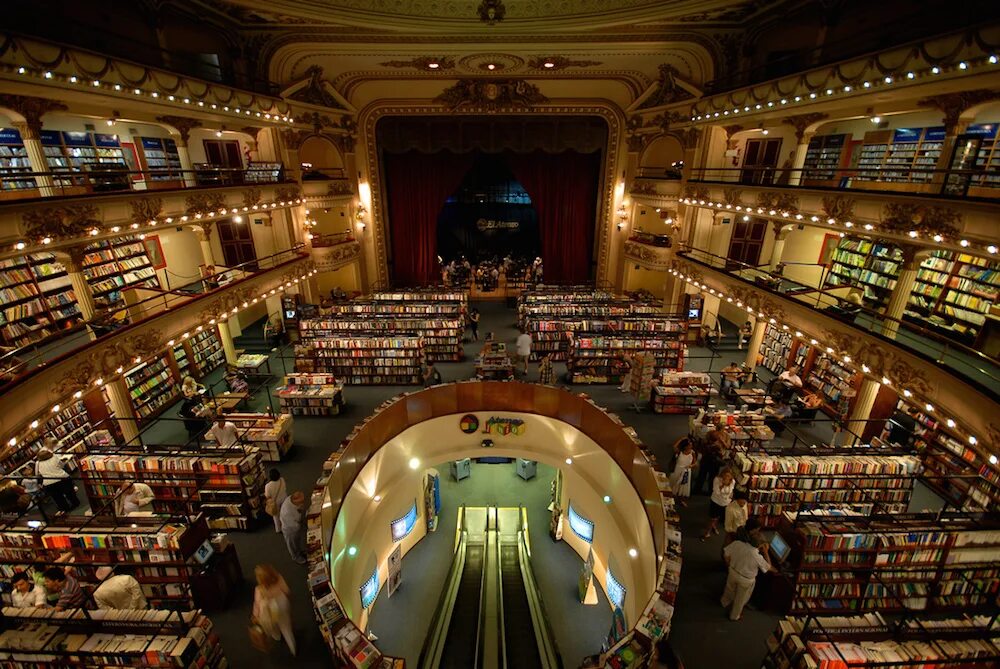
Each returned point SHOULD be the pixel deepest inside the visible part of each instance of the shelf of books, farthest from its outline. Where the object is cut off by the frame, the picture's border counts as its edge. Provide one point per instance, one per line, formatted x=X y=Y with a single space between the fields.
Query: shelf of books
x=774 y=349
x=227 y=489
x=601 y=358
x=431 y=294
x=206 y=351
x=822 y=160
x=902 y=156
x=98 y=155
x=902 y=562
x=836 y=384
x=14 y=163
x=364 y=360
x=746 y=429
x=442 y=338
x=161 y=158
x=157 y=551
x=112 y=266
x=780 y=484
x=954 y=292
x=553 y=336
x=311 y=395
x=681 y=392
x=872 y=266
x=271 y=435
x=37 y=297
x=610 y=310
x=869 y=640
x=151 y=386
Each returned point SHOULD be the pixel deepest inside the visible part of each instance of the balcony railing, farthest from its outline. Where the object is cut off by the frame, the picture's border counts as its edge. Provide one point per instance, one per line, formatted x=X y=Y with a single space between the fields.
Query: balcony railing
x=954 y=183
x=19 y=363
x=968 y=363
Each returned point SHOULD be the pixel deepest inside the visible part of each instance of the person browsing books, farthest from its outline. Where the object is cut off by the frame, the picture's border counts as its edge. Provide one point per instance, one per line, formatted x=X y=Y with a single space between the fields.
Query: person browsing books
x=25 y=594
x=71 y=595
x=135 y=497
x=118 y=591
x=745 y=561
x=224 y=432
x=293 y=525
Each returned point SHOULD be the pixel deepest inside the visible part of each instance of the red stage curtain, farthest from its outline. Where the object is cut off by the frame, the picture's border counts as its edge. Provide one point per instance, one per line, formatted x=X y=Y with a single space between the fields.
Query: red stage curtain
x=418 y=185
x=563 y=190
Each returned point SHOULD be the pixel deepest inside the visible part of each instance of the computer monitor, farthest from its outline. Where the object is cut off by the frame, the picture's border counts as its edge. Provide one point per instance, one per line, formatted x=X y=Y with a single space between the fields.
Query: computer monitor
x=204 y=552
x=779 y=547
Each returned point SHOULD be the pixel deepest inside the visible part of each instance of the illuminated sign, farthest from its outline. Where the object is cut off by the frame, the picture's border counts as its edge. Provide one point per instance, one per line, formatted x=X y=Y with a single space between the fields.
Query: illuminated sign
x=616 y=591
x=369 y=591
x=469 y=424
x=401 y=527
x=581 y=527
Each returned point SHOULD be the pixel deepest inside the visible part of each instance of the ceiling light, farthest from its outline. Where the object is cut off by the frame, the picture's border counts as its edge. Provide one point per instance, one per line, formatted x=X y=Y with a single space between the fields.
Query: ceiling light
x=963 y=65
x=950 y=422
x=569 y=461
x=993 y=458
x=549 y=64
x=352 y=550
x=432 y=66
x=935 y=70
x=607 y=499
x=633 y=552
x=414 y=463
x=377 y=498
x=491 y=66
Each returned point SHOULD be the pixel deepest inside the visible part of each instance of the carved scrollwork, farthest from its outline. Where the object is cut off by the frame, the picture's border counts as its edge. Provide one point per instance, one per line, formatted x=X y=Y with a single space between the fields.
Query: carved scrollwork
x=202 y=203
x=491 y=95
x=838 y=207
x=881 y=360
x=732 y=196
x=666 y=119
x=146 y=209
x=668 y=89
x=315 y=91
x=288 y=193
x=778 y=201
x=339 y=187
x=295 y=138
x=642 y=187
x=329 y=258
x=251 y=197
x=61 y=222
x=697 y=193
x=687 y=269
x=32 y=109
x=104 y=360
x=927 y=220
x=760 y=301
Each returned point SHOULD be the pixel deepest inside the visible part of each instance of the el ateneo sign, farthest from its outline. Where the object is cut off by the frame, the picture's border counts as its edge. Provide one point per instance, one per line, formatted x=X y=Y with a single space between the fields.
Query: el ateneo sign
x=470 y=424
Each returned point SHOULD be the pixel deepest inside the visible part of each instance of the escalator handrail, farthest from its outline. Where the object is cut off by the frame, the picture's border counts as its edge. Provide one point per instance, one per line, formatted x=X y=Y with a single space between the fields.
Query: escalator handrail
x=548 y=649
x=482 y=597
x=438 y=631
x=501 y=628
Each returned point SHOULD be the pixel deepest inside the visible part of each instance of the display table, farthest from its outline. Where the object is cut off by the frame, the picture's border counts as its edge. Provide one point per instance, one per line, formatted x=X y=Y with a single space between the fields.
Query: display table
x=681 y=392
x=226 y=402
x=754 y=398
x=252 y=362
x=271 y=434
x=493 y=363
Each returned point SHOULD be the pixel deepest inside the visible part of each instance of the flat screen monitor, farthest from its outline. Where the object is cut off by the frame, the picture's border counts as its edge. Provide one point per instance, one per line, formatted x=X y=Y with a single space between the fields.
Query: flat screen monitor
x=779 y=547
x=204 y=552
x=694 y=314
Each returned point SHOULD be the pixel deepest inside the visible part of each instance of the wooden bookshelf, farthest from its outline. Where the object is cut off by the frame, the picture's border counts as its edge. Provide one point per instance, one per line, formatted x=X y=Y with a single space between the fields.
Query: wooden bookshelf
x=552 y=336
x=423 y=295
x=226 y=486
x=309 y=394
x=954 y=293
x=152 y=386
x=38 y=299
x=681 y=392
x=112 y=266
x=364 y=360
x=897 y=157
x=206 y=352
x=158 y=639
x=15 y=165
x=775 y=349
x=778 y=484
x=870 y=265
x=600 y=357
x=442 y=337
x=271 y=435
x=823 y=159
x=161 y=161
x=835 y=383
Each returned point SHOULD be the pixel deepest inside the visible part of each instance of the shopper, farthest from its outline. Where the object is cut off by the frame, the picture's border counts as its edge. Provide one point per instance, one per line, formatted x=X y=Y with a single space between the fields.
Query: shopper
x=275 y=492
x=713 y=453
x=193 y=412
x=431 y=375
x=272 y=609
x=24 y=593
x=736 y=516
x=745 y=333
x=191 y=388
x=790 y=378
x=902 y=426
x=681 y=477
x=293 y=528
x=474 y=323
x=224 y=432
x=723 y=486
x=118 y=591
x=55 y=479
x=71 y=595
x=135 y=497
x=732 y=376
x=744 y=560
x=524 y=349
x=29 y=481
x=545 y=372
x=774 y=417
x=13 y=498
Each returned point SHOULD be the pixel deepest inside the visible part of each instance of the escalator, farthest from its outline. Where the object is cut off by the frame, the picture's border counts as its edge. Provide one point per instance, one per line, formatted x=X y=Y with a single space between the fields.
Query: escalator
x=460 y=644
x=519 y=631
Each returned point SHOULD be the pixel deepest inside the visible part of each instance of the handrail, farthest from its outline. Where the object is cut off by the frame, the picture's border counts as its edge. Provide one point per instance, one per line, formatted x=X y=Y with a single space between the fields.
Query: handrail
x=985 y=366
x=481 y=619
x=548 y=648
x=430 y=652
x=498 y=574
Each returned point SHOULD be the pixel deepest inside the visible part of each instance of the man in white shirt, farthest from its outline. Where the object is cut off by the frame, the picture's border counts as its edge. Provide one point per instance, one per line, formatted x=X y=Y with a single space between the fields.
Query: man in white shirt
x=524 y=348
x=25 y=593
x=224 y=432
x=293 y=525
x=744 y=560
x=135 y=497
x=118 y=591
x=790 y=377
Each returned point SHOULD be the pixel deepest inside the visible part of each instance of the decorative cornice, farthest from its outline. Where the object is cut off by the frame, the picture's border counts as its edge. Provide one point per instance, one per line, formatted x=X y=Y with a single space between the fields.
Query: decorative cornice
x=491 y=12
x=340 y=187
x=32 y=109
x=294 y=138
x=288 y=193
x=183 y=124
x=443 y=63
x=330 y=258
x=838 y=207
x=926 y=220
x=555 y=63
x=491 y=95
x=763 y=305
x=802 y=121
x=61 y=222
x=778 y=201
x=668 y=89
x=203 y=203
x=953 y=105
x=145 y=209
x=251 y=197
x=105 y=361
x=650 y=256
x=315 y=91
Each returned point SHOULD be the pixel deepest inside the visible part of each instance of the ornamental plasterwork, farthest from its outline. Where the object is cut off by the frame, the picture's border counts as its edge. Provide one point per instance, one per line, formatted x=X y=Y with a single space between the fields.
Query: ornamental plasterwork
x=953 y=105
x=760 y=301
x=928 y=220
x=315 y=91
x=801 y=122
x=732 y=196
x=339 y=187
x=642 y=187
x=778 y=201
x=688 y=269
x=559 y=63
x=294 y=138
x=491 y=95
x=288 y=193
x=329 y=258
x=444 y=63
x=882 y=360
x=669 y=89
x=666 y=119
x=183 y=124
x=696 y=193
x=103 y=360
x=145 y=209
x=32 y=109
x=61 y=222
x=647 y=255
x=251 y=197
x=202 y=203
x=838 y=207
x=501 y=62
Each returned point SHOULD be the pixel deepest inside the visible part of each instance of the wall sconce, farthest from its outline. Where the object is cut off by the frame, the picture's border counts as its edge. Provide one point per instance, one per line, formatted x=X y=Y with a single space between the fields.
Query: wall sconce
x=622 y=214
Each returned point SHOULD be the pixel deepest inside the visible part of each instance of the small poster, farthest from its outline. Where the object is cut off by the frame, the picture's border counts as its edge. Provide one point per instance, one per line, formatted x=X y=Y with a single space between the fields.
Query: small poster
x=587 y=576
x=395 y=569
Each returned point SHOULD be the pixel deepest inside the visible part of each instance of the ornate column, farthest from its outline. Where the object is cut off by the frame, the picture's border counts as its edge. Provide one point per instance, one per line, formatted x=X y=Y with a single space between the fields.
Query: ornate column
x=73 y=262
x=226 y=336
x=753 y=346
x=781 y=232
x=204 y=233
x=183 y=125
x=863 y=404
x=901 y=293
x=802 y=136
x=32 y=109
x=121 y=405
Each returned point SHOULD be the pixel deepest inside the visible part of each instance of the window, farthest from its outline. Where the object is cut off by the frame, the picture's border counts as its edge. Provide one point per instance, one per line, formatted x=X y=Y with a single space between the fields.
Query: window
x=236 y=240
x=747 y=242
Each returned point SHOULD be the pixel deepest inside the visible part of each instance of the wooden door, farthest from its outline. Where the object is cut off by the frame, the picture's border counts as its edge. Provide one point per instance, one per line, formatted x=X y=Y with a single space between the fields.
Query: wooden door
x=746 y=243
x=760 y=160
x=236 y=240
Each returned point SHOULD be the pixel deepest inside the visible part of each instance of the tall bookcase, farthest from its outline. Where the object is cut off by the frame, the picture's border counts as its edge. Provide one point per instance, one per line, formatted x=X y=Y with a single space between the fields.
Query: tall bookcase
x=311 y=395
x=442 y=337
x=899 y=157
x=823 y=159
x=552 y=335
x=98 y=155
x=872 y=266
x=205 y=349
x=364 y=360
x=227 y=486
x=954 y=292
x=157 y=551
x=112 y=266
x=775 y=348
x=161 y=161
x=778 y=484
x=151 y=386
x=834 y=382
x=38 y=299
x=14 y=163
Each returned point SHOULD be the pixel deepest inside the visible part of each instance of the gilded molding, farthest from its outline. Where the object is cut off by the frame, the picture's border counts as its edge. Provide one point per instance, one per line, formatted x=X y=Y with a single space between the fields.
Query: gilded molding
x=927 y=220
x=491 y=95
x=444 y=63
x=145 y=209
x=839 y=207
x=653 y=257
x=32 y=109
x=251 y=197
x=202 y=203
x=61 y=222
x=183 y=124
x=760 y=301
x=315 y=91
x=339 y=187
x=559 y=63
x=103 y=360
x=802 y=121
x=953 y=105
x=778 y=201
x=288 y=193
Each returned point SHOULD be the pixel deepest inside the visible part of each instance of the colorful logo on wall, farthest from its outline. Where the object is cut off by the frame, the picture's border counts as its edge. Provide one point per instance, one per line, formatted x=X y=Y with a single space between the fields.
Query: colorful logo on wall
x=469 y=423
x=504 y=426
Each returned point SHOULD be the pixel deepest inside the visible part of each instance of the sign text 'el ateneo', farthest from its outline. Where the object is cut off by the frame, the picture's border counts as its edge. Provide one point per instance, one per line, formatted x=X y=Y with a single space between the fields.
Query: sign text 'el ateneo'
x=470 y=424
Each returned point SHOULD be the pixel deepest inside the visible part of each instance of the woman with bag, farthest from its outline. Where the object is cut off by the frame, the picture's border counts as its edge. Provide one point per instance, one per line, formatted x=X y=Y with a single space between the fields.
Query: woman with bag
x=272 y=610
x=681 y=477
x=275 y=492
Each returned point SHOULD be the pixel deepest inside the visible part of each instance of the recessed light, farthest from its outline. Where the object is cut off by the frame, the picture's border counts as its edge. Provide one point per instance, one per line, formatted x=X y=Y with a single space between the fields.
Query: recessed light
x=414 y=463
x=548 y=64
x=607 y=499
x=633 y=552
x=433 y=66
x=352 y=550
x=491 y=66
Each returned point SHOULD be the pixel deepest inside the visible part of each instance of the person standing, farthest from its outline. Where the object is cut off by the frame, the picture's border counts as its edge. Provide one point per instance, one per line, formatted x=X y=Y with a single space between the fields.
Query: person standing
x=272 y=609
x=25 y=594
x=736 y=516
x=275 y=492
x=744 y=560
x=902 y=426
x=474 y=323
x=192 y=411
x=118 y=591
x=545 y=370
x=224 y=432
x=714 y=452
x=55 y=479
x=745 y=333
x=135 y=497
x=723 y=486
x=524 y=348
x=292 y=516
x=681 y=477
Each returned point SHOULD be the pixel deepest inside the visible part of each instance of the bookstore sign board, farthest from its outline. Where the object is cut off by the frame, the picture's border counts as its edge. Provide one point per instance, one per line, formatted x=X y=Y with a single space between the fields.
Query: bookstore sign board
x=496 y=425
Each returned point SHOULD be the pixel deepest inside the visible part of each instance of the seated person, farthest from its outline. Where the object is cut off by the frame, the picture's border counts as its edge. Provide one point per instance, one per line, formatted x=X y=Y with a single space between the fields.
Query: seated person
x=775 y=416
x=25 y=593
x=732 y=378
x=790 y=377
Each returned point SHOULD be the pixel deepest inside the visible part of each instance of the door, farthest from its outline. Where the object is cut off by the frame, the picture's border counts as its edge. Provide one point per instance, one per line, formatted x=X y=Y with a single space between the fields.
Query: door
x=746 y=243
x=759 y=161
x=225 y=155
x=236 y=241
x=962 y=158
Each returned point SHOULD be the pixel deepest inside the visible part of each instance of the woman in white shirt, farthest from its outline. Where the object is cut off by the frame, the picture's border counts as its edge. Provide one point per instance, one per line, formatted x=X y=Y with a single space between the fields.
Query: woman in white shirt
x=25 y=593
x=275 y=492
x=723 y=486
x=55 y=479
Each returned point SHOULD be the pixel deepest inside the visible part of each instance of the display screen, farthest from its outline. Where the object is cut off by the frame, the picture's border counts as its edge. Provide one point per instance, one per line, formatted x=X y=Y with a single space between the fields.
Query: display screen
x=581 y=527
x=403 y=526
x=694 y=314
x=204 y=552
x=616 y=591
x=779 y=547
x=369 y=590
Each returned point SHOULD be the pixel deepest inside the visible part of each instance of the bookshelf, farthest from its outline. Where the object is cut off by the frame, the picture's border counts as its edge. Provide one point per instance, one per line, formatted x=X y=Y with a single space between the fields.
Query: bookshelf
x=182 y=361
x=822 y=159
x=775 y=348
x=903 y=562
x=271 y=435
x=442 y=337
x=777 y=484
x=364 y=360
x=681 y=392
x=954 y=292
x=14 y=162
x=826 y=642
x=871 y=266
x=161 y=160
x=835 y=383
x=205 y=349
x=227 y=489
x=157 y=551
x=112 y=266
x=151 y=386
x=899 y=157
x=163 y=639
x=600 y=358
x=425 y=295
x=311 y=395
x=552 y=336
x=38 y=299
